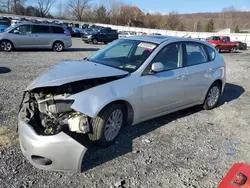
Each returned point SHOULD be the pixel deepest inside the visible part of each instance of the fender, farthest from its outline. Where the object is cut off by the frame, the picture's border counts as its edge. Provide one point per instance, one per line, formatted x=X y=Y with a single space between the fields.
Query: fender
x=90 y=102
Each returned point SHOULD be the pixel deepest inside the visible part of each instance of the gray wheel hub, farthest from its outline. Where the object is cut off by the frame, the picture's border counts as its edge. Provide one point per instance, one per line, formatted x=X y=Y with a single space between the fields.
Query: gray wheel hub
x=213 y=96
x=6 y=46
x=58 y=46
x=113 y=125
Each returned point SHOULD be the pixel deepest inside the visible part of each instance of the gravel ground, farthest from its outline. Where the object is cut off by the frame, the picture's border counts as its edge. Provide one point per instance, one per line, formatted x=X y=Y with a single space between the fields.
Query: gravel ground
x=192 y=148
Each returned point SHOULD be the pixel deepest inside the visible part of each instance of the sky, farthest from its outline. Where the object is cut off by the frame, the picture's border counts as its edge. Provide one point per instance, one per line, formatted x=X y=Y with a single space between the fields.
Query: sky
x=181 y=6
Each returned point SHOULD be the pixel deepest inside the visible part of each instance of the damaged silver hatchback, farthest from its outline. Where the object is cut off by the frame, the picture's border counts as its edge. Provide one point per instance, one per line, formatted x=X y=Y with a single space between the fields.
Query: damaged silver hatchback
x=127 y=82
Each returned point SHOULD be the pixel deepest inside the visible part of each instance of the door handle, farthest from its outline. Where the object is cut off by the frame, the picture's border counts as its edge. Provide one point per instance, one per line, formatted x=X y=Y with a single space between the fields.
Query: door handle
x=181 y=77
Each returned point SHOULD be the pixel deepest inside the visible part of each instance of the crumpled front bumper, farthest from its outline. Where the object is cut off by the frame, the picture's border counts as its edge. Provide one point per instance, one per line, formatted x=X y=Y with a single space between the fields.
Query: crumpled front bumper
x=56 y=152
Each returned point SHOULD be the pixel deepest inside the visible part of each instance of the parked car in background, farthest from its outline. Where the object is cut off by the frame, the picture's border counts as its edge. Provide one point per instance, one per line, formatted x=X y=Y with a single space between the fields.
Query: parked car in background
x=132 y=80
x=223 y=43
x=105 y=35
x=76 y=31
x=87 y=31
x=3 y=25
x=30 y=35
x=202 y=39
x=155 y=34
x=126 y=34
x=242 y=45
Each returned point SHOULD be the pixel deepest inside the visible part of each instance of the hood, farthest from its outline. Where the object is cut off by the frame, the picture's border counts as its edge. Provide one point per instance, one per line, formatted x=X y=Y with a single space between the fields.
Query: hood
x=71 y=71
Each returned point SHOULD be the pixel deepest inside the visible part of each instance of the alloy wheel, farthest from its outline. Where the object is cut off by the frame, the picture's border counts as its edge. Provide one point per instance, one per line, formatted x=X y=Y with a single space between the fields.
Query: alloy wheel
x=213 y=96
x=113 y=125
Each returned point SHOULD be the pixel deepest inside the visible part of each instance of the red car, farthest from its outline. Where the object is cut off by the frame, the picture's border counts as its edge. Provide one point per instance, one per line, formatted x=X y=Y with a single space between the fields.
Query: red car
x=223 y=43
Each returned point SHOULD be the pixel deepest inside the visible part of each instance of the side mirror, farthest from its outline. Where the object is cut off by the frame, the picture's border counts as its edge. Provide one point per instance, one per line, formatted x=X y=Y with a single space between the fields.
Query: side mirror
x=16 y=32
x=157 y=67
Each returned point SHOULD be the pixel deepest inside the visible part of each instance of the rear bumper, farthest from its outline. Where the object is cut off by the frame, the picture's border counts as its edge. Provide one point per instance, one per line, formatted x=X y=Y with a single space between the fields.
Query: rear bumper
x=57 y=152
x=68 y=44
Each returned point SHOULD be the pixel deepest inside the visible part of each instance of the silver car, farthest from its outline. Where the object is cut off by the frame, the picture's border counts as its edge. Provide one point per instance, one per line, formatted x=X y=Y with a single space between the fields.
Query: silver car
x=127 y=82
x=30 y=36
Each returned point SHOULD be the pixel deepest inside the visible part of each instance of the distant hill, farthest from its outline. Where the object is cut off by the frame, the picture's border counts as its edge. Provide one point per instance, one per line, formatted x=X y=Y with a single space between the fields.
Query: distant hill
x=221 y=20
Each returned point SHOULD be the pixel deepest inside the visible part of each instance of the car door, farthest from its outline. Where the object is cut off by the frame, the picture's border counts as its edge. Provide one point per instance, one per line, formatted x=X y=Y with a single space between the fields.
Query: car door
x=164 y=90
x=21 y=36
x=199 y=69
x=42 y=36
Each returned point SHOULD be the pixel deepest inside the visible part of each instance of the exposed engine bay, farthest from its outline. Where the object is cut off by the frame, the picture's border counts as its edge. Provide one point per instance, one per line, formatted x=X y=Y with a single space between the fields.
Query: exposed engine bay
x=49 y=111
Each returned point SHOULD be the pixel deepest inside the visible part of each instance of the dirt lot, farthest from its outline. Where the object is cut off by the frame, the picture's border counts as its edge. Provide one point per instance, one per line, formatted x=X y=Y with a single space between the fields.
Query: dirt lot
x=192 y=148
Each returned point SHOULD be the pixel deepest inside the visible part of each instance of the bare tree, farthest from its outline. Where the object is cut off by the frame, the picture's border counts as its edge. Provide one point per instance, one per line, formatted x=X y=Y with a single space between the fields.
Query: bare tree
x=78 y=7
x=6 y=5
x=173 y=21
x=44 y=6
x=227 y=17
x=113 y=8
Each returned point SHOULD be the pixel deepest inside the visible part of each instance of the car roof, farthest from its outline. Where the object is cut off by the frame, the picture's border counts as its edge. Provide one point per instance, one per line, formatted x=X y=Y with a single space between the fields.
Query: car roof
x=43 y=24
x=158 y=39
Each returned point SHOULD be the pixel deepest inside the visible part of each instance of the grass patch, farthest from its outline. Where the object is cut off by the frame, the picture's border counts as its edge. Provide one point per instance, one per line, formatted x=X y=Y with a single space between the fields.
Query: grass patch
x=8 y=137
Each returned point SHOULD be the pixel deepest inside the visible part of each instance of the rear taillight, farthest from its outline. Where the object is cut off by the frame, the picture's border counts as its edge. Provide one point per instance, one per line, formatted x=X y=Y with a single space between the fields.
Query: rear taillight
x=68 y=35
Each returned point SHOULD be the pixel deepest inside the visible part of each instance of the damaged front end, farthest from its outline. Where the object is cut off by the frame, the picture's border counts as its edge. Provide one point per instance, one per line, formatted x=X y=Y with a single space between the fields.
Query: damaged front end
x=47 y=122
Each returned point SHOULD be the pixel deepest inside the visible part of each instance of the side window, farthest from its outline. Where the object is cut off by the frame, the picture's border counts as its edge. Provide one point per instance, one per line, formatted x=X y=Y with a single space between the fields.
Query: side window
x=170 y=56
x=210 y=52
x=121 y=50
x=195 y=54
x=57 y=30
x=40 y=29
x=23 y=29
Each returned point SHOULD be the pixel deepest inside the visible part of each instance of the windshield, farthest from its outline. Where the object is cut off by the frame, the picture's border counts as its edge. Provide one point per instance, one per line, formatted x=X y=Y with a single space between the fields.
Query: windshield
x=124 y=54
x=9 y=29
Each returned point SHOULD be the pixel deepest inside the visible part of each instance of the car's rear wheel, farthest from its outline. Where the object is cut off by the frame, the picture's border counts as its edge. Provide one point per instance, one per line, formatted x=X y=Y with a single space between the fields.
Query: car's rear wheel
x=105 y=42
x=212 y=97
x=95 y=41
x=6 y=45
x=233 y=50
x=58 y=46
x=107 y=125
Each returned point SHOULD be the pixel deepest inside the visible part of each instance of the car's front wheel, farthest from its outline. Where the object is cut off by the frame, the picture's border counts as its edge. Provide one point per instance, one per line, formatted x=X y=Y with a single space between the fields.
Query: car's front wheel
x=107 y=125
x=6 y=45
x=212 y=97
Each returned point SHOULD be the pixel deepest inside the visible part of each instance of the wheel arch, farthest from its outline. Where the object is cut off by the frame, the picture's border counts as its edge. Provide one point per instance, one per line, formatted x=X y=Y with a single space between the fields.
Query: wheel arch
x=220 y=82
x=129 y=111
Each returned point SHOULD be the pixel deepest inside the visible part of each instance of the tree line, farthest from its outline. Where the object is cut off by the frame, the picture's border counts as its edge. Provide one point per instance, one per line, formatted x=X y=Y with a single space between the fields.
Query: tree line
x=119 y=13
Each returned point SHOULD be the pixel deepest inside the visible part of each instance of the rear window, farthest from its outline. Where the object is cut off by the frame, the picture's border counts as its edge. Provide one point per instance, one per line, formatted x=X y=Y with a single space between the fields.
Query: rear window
x=56 y=29
x=210 y=52
x=195 y=54
x=40 y=29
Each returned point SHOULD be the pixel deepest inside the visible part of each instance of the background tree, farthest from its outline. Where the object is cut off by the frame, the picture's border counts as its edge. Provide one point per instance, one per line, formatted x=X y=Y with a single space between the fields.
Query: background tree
x=6 y=5
x=210 y=26
x=44 y=6
x=237 y=30
x=173 y=21
x=101 y=15
x=77 y=8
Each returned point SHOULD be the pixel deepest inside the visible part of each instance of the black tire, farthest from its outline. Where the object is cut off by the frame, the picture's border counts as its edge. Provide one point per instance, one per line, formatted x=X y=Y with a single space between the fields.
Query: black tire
x=233 y=49
x=58 y=46
x=6 y=46
x=208 y=105
x=99 y=125
x=105 y=42
x=95 y=41
x=86 y=42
